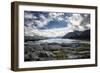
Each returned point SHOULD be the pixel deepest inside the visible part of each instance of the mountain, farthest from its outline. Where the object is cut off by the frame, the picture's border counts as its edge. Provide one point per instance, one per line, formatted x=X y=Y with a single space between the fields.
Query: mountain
x=83 y=35
x=34 y=38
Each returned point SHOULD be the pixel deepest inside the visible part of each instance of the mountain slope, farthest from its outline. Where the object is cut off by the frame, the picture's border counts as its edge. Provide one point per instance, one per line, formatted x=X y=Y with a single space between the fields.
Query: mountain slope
x=83 y=35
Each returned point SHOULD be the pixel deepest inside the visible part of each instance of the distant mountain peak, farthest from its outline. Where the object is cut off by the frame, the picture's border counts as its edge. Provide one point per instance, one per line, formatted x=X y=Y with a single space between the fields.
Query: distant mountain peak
x=78 y=35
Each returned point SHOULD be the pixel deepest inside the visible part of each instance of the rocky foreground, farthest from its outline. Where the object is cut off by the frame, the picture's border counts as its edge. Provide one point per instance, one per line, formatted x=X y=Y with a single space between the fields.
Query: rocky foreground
x=54 y=51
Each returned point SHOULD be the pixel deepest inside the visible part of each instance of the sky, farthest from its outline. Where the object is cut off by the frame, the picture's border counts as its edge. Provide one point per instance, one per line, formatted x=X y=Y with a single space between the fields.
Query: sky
x=54 y=24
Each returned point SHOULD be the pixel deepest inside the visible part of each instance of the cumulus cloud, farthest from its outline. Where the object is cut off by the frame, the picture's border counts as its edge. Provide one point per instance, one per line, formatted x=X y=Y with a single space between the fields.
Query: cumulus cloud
x=75 y=19
x=33 y=21
x=60 y=18
x=74 y=22
x=42 y=21
x=29 y=16
x=56 y=16
x=80 y=22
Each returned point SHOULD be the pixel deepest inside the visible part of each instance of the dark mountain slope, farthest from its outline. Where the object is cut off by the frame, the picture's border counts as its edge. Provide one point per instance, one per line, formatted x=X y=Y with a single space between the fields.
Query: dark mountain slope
x=83 y=35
